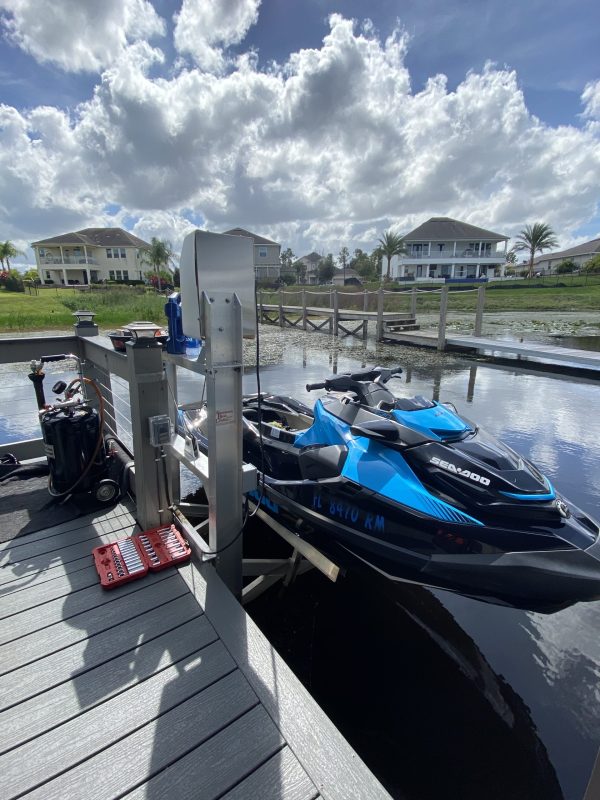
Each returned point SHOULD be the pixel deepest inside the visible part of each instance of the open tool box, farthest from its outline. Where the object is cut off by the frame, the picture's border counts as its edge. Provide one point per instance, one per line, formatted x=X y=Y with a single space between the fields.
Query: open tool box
x=131 y=558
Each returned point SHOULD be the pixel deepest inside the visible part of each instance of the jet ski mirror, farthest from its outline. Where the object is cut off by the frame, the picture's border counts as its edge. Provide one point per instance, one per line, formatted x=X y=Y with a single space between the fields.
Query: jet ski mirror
x=379 y=429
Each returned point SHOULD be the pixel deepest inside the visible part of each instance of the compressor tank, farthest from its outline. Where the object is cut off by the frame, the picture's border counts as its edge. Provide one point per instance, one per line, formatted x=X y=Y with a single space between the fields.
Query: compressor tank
x=70 y=438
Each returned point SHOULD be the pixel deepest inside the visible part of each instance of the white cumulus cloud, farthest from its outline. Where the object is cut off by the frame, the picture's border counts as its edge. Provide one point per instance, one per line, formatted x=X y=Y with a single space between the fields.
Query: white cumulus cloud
x=204 y=27
x=327 y=149
x=79 y=35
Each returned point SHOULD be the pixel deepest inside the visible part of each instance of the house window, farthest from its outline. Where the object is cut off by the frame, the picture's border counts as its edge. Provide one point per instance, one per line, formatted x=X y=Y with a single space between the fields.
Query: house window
x=109 y=252
x=42 y=252
x=119 y=275
x=48 y=276
x=125 y=275
x=122 y=253
x=262 y=252
x=111 y=274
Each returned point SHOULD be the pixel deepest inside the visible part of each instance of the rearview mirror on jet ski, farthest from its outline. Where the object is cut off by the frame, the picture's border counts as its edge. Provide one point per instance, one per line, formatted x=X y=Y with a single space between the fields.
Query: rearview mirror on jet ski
x=381 y=429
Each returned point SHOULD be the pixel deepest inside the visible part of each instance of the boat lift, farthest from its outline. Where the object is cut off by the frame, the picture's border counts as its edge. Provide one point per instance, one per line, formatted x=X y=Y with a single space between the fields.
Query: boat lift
x=218 y=308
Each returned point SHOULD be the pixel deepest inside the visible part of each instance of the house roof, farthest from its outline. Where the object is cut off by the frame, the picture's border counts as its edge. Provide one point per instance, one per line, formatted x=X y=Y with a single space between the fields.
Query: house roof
x=310 y=259
x=96 y=237
x=584 y=249
x=257 y=239
x=448 y=229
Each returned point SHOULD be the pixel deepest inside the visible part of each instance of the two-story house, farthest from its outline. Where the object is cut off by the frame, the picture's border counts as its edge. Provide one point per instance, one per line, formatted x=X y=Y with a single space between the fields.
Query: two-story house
x=90 y=256
x=448 y=249
x=307 y=268
x=267 y=263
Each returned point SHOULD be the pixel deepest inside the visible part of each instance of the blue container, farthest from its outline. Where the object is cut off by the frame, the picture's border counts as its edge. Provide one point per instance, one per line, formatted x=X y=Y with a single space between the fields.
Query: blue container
x=176 y=343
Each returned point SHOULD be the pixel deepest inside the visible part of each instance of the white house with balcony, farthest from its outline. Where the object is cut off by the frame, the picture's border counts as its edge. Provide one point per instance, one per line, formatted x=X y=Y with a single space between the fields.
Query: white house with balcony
x=267 y=262
x=444 y=248
x=90 y=256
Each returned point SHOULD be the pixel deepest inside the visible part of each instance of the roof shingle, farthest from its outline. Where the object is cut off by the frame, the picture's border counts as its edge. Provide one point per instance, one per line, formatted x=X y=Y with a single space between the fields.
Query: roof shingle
x=96 y=237
x=447 y=229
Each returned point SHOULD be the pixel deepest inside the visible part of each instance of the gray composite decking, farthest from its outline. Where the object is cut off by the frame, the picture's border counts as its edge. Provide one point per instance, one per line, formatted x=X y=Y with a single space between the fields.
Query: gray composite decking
x=161 y=688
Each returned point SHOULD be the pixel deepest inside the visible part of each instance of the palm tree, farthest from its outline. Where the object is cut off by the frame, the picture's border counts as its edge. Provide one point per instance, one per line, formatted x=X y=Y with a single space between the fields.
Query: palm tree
x=535 y=239
x=390 y=244
x=160 y=254
x=8 y=251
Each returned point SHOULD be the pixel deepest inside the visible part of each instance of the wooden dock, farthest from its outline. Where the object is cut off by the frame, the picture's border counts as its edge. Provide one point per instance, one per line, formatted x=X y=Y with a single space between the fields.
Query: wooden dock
x=564 y=356
x=162 y=687
x=317 y=318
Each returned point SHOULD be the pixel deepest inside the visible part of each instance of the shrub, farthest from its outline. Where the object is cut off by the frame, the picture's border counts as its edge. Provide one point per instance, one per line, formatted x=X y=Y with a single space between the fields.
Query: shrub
x=288 y=279
x=566 y=267
x=13 y=282
x=593 y=265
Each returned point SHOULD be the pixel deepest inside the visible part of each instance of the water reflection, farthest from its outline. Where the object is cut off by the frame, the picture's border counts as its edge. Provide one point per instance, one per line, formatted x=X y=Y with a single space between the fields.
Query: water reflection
x=538 y=675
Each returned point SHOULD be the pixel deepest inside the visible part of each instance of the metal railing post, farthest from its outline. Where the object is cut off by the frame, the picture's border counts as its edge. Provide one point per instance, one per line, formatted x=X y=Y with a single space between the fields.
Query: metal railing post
x=441 y=344
x=260 y=305
x=148 y=396
x=479 y=311
x=281 y=321
x=366 y=320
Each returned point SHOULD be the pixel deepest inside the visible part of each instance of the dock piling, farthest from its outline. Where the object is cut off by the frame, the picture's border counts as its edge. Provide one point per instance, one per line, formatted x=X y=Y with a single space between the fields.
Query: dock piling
x=441 y=344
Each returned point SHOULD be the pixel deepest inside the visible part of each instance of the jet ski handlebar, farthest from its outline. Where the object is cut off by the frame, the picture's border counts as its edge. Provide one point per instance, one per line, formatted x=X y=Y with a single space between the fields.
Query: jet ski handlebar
x=354 y=381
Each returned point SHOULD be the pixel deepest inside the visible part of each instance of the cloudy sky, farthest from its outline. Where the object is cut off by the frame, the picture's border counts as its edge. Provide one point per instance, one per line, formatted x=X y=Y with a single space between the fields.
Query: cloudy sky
x=316 y=123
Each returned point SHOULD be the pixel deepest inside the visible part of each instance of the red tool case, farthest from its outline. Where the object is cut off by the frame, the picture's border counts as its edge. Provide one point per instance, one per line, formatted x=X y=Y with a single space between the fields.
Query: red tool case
x=131 y=558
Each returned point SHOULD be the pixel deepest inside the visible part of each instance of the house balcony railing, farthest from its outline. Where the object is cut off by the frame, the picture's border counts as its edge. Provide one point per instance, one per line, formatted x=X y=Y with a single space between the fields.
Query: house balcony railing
x=68 y=261
x=448 y=257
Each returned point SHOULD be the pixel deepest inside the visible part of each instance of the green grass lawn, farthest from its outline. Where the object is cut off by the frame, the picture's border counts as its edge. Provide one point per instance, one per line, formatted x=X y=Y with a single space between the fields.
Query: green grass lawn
x=53 y=308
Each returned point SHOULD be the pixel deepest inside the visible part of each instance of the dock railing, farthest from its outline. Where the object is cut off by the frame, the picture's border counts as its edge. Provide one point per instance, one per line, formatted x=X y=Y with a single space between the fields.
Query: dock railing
x=392 y=310
x=134 y=387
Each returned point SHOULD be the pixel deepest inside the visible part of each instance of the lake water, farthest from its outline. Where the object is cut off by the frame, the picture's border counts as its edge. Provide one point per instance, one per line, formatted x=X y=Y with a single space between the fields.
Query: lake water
x=441 y=695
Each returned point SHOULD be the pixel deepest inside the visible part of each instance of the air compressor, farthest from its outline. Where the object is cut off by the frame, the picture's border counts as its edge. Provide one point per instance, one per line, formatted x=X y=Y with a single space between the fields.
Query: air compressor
x=73 y=434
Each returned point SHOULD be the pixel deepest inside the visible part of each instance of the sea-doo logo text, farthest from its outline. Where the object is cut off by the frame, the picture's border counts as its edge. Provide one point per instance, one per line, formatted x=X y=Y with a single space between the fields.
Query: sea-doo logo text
x=465 y=473
x=563 y=509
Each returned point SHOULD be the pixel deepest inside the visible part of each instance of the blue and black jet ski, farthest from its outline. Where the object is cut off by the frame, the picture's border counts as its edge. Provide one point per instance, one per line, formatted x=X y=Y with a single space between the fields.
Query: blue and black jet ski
x=416 y=492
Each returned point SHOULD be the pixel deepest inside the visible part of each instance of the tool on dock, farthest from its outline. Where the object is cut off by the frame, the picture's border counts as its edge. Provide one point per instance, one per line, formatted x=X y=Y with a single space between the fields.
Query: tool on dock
x=133 y=557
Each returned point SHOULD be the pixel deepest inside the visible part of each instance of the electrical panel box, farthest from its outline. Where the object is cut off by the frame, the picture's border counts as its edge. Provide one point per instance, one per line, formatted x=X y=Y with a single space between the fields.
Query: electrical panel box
x=160 y=430
x=216 y=262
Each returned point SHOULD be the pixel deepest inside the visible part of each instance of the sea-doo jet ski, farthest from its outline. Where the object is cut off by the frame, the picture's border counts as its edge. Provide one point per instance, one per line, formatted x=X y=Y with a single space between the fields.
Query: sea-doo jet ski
x=417 y=492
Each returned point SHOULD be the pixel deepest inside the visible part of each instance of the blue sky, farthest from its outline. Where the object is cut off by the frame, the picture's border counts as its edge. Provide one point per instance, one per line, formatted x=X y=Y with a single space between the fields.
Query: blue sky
x=317 y=123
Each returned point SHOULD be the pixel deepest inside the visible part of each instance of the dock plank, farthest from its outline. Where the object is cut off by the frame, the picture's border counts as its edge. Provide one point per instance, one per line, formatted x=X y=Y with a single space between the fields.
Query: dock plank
x=329 y=761
x=65 y=701
x=117 y=511
x=17 y=577
x=219 y=763
x=280 y=778
x=53 y=544
x=128 y=602
x=147 y=751
x=63 y=608
x=48 y=755
x=63 y=555
x=62 y=585
x=67 y=664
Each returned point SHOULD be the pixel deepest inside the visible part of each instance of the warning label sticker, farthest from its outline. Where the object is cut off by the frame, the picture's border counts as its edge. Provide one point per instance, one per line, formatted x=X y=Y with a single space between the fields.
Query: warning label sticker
x=224 y=417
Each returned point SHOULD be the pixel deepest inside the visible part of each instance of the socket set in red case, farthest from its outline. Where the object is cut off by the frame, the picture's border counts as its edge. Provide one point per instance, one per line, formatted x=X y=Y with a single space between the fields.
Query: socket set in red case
x=163 y=547
x=131 y=558
x=119 y=562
